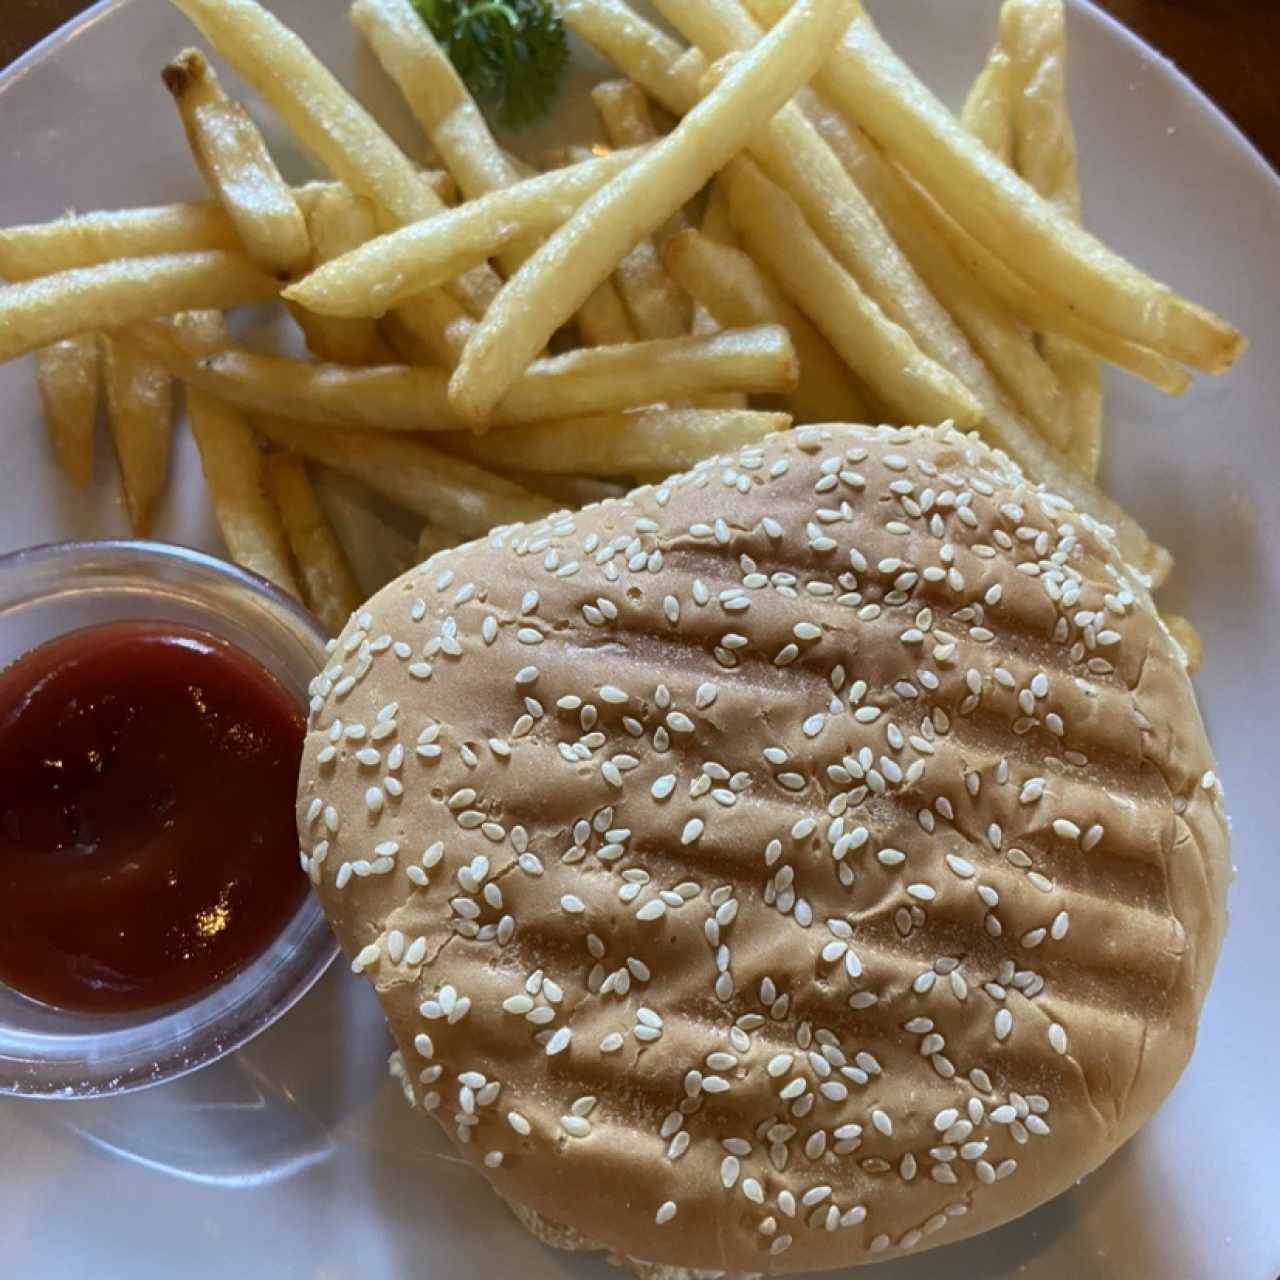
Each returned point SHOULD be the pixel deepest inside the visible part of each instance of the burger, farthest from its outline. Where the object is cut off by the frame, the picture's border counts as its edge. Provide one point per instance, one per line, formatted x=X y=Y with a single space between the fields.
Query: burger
x=814 y=858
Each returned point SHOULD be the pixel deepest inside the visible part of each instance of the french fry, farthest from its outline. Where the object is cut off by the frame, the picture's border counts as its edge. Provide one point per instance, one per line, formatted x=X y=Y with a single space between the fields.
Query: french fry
x=901 y=204
x=329 y=122
x=38 y=312
x=433 y=538
x=1187 y=638
x=404 y=398
x=337 y=223
x=568 y=490
x=876 y=90
x=638 y=49
x=624 y=111
x=440 y=323
x=328 y=582
x=449 y=491
x=880 y=352
x=237 y=168
x=402 y=342
x=234 y=469
x=442 y=105
x=988 y=109
x=85 y=240
x=793 y=154
x=68 y=375
x=1035 y=35
x=983 y=321
x=602 y=319
x=653 y=304
x=555 y=281
x=716 y=223
x=627 y=116
x=410 y=55
x=140 y=413
x=436 y=95
x=657 y=307
x=376 y=276
x=736 y=293
x=621 y=444
x=759 y=360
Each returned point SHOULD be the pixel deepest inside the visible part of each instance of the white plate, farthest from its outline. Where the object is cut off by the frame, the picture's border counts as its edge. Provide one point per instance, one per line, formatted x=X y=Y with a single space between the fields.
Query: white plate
x=297 y=1157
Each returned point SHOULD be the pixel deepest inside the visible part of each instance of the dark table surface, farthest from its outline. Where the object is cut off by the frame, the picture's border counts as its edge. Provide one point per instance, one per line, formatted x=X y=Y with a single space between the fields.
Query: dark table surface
x=1227 y=46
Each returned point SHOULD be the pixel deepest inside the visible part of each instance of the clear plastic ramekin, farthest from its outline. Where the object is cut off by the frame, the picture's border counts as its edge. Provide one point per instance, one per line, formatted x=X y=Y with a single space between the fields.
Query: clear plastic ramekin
x=50 y=590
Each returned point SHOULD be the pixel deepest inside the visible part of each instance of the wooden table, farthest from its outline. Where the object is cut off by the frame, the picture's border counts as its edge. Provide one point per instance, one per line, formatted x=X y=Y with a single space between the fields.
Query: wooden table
x=1227 y=46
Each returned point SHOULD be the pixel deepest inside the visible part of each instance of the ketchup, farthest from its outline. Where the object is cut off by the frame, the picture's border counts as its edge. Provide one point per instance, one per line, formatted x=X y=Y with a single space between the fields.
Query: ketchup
x=147 y=838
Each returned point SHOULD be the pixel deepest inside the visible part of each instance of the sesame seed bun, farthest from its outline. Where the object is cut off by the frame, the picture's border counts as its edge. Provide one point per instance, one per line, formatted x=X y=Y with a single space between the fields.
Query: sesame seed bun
x=812 y=859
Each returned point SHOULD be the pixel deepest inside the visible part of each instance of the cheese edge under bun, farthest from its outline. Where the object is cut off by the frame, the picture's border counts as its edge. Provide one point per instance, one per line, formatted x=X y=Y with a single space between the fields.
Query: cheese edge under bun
x=1124 y=986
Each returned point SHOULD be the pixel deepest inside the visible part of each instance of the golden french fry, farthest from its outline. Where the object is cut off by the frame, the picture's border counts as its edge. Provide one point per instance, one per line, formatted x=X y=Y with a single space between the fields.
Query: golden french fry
x=84 y=240
x=622 y=444
x=900 y=203
x=337 y=223
x=437 y=486
x=1187 y=639
x=716 y=223
x=734 y=290
x=410 y=55
x=68 y=375
x=988 y=109
x=140 y=413
x=624 y=111
x=327 y=119
x=440 y=323
x=557 y=279
x=569 y=490
x=38 y=312
x=42 y=249
x=233 y=469
x=328 y=582
x=602 y=319
x=403 y=343
x=653 y=304
x=444 y=108
x=638 y=49
x=371 y=278
x=1035 y=36
x=433 y=538
x=793 y=154
x=405 y=398
x=876 y=90
x=1006 y=346
x=237 y=168
x=628 y=122
x=658 y=309
x=880 y=352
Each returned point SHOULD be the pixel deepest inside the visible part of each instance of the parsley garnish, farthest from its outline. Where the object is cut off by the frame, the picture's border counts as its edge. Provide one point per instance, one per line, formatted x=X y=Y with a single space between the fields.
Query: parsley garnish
x=509 y=53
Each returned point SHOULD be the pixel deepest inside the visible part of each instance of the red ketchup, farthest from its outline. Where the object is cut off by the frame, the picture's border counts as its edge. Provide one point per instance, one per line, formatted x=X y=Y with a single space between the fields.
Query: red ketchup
x=147 y=839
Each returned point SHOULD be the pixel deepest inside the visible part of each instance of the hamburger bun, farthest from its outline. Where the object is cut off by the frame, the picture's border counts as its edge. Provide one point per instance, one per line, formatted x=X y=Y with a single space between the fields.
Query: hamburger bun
x=814 y=858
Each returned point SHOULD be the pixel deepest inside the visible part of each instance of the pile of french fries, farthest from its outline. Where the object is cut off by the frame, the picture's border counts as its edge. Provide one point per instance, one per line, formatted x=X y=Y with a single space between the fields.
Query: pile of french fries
x=781 y=224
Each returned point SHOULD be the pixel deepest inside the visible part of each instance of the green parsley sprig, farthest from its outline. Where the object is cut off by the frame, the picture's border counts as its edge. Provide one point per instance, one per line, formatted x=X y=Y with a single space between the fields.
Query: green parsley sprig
x=509 y=53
